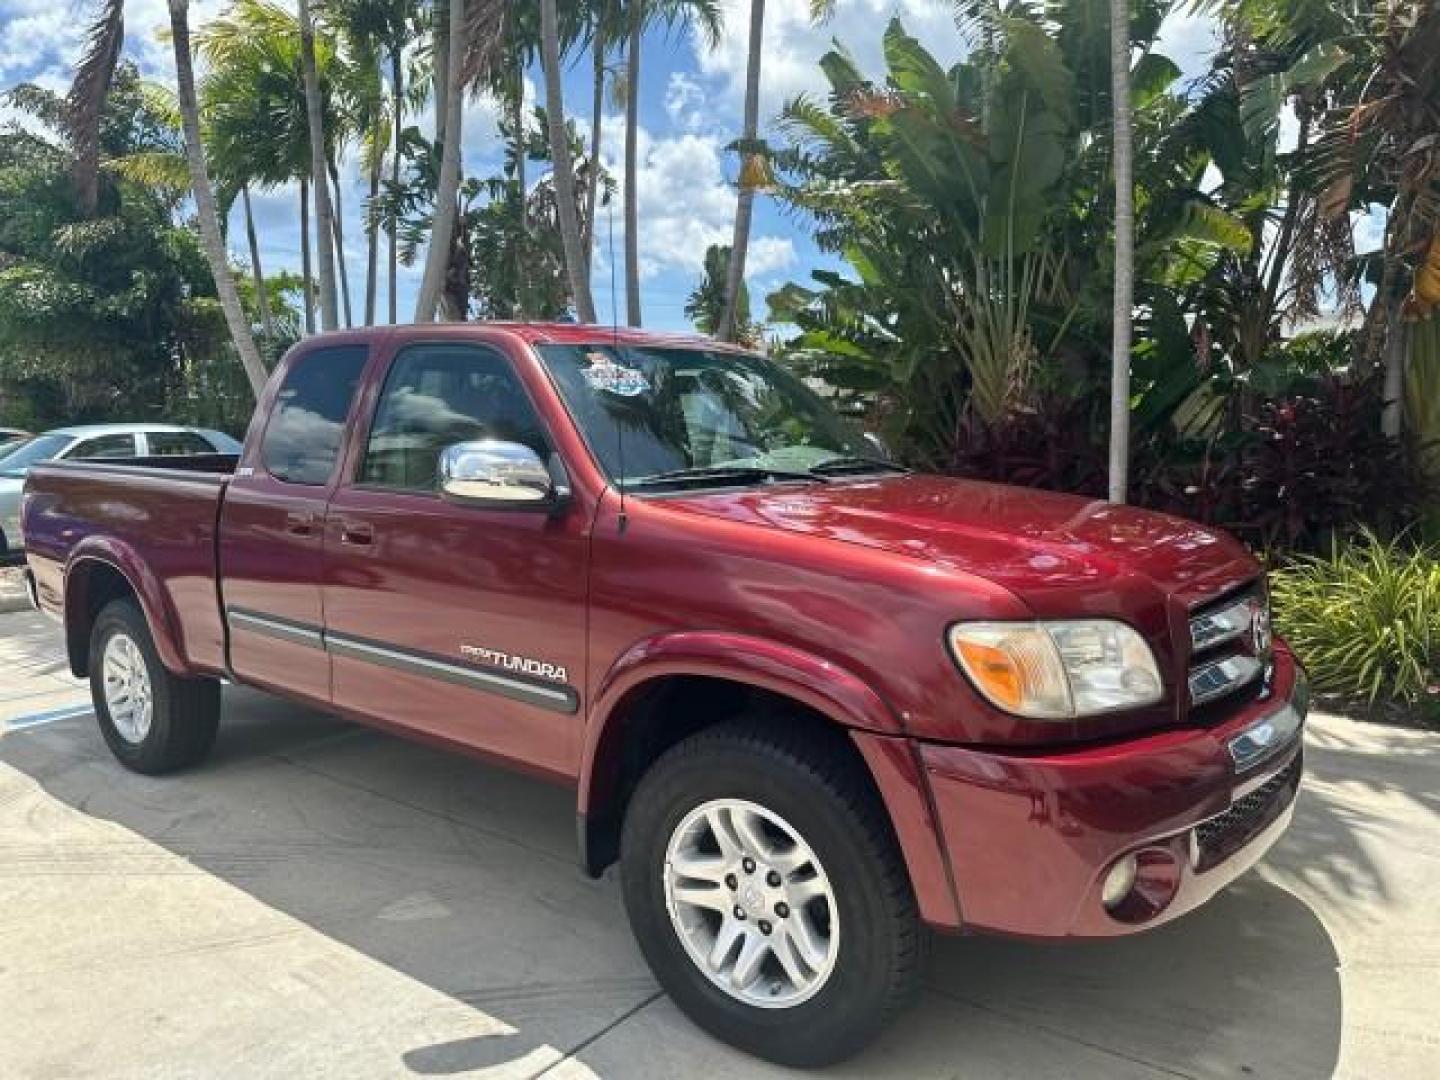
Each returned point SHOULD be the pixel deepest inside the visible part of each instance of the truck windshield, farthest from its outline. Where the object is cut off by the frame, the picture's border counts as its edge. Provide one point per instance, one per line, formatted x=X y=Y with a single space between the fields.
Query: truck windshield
x=699 y=418
x=41 y=448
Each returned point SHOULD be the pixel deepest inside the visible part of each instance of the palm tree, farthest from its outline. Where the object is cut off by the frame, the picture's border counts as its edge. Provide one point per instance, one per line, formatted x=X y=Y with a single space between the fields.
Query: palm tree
x=1124 y=251
x=329 y=317
x=205 y=200
x=86 y=100
x=745 y=204
x=703 y=15
x=577 y=266
x=437 y=258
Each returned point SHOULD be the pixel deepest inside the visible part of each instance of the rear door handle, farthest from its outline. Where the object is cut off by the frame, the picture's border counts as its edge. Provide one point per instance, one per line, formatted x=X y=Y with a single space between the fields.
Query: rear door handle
x=359 y=533
x=300 y=523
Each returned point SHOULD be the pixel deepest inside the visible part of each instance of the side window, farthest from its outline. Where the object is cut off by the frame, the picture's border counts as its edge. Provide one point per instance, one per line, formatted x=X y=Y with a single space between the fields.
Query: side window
x=176 y=443
x=302 y=439
x=437 y=395
x=103 y=446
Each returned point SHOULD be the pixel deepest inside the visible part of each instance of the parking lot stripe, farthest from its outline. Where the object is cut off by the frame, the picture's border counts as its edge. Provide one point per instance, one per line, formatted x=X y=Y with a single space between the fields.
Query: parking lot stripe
x=49 y=716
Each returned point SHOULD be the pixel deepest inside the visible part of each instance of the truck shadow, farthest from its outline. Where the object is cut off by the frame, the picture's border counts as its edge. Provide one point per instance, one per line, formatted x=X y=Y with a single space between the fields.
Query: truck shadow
x=463 y=877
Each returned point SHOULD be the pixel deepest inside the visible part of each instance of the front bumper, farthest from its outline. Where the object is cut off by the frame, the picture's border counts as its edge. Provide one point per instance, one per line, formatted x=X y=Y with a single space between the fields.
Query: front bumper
x=1031 y=838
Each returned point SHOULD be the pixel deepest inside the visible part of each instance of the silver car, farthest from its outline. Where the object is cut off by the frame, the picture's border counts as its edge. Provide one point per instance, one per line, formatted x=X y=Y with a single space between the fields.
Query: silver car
x=94 y=441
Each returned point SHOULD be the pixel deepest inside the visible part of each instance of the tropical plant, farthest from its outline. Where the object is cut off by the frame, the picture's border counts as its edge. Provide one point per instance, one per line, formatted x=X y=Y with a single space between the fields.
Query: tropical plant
x=577 y=264
x=204 y=196
x=1122 y=151
x=319 y=179
x=1365 y=618
x=105 y=311
x=754 y=172
x=701 y=17
x=443 y=225
x=85 y=104
x=706 y=303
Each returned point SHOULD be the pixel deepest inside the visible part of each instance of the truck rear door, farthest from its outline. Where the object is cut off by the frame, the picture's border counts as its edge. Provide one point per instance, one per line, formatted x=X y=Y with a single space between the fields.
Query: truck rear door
x=272 y=524
x=451 y=619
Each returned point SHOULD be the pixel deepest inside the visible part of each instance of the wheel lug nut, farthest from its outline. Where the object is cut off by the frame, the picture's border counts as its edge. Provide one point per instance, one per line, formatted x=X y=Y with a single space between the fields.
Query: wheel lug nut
x=749 y=865
x=739 y=913
x=731 y=881
x=782 y=909
x=772 y=879
x=764 y=927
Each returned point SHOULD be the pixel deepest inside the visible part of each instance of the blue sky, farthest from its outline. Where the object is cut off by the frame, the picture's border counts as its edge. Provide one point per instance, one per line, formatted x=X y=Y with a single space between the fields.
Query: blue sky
x=690 y=100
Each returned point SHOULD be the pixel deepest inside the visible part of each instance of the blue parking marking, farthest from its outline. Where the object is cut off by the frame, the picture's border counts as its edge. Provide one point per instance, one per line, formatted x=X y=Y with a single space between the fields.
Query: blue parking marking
x=49 y=716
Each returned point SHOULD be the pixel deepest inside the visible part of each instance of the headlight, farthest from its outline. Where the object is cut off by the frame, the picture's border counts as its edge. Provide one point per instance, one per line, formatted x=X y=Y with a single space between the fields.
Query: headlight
x=1058 y=670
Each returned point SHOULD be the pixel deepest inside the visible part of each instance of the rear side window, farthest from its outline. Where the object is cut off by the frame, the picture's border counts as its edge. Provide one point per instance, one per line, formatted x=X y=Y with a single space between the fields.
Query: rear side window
x=104 y=446
x=438 y=395
x=177 y=443
x=302 y=440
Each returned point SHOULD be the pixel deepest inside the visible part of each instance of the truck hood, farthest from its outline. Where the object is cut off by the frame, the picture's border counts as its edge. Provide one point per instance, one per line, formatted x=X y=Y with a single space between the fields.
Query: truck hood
x=1044 y=546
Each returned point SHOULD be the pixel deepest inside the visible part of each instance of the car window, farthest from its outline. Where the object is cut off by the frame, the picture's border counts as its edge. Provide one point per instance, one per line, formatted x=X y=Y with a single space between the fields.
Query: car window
x=102 y=446
x=41 y=448
x=438 y=395
x=176 y=443
x=302 y=439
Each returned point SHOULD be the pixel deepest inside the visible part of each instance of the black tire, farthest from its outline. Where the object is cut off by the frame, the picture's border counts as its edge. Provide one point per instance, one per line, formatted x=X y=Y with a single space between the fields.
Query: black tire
x=184 y=712
x=817 y=785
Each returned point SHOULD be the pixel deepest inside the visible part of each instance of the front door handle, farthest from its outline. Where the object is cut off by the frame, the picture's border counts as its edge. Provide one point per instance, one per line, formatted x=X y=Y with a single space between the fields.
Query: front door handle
x=300 y=523
x=358 y=533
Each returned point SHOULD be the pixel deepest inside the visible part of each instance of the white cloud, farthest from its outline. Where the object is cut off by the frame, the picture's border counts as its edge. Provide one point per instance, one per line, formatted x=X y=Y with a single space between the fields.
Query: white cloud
x=684 y=101
x=794 y=44
x=1190 y=41
x=685 y=202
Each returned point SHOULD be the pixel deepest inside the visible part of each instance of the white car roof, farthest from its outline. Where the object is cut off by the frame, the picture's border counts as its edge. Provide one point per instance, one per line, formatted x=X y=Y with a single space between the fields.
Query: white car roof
x=87 y=430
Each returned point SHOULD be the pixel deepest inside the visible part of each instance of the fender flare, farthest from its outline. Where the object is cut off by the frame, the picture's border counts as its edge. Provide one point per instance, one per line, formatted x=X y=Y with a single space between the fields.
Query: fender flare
x=154 y=601
x=762 y=663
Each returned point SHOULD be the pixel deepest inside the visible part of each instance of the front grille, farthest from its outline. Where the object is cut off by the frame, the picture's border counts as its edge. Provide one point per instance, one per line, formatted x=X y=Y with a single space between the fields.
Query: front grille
x=1229 y=646
x=1223 y=835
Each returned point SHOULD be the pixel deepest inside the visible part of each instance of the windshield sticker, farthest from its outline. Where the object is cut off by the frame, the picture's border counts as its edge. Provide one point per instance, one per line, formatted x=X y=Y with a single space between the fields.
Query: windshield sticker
x=605 y=375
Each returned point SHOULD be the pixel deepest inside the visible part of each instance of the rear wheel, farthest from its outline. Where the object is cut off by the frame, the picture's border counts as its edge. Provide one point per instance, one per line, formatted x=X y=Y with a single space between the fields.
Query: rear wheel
x=766 y=891
x=152 y=720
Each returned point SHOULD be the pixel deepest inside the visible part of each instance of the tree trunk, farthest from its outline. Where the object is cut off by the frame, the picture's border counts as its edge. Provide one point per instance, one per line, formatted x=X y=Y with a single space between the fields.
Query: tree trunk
x=1397 y=341
x=437 y=257
x=522 y=249
x=1124 y=252
x=440 y=69
x=372 y=246
x=339 y=230
x=397 y=74
x=576 y=266
x=597 y=121
x=262 y=301
x=305 y=270
x=329 y=311
x=745 y=206
x=632 y=186
x=205 y=200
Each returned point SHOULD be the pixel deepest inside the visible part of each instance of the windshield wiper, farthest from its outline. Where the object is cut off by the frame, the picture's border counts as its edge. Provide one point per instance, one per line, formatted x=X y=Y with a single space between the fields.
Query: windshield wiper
x=855 y=463
x=736 y=473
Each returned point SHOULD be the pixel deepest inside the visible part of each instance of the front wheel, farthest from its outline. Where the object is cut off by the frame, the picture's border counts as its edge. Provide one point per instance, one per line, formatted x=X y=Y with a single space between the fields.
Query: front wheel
x=767 y=894
x=152 y=720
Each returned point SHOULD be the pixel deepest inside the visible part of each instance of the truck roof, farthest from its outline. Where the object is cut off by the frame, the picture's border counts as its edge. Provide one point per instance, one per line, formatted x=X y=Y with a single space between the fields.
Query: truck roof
x=548 y=333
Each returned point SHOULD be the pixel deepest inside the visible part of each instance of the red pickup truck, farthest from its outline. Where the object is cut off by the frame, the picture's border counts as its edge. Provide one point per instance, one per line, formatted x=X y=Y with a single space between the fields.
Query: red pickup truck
x=810 y=701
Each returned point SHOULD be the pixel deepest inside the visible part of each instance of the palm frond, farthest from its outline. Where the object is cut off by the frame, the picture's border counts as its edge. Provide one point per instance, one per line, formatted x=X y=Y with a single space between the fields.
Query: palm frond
x=86 y=100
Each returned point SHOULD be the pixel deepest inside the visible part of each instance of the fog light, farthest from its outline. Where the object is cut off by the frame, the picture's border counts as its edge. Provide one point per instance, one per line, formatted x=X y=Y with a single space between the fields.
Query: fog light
x=1119 y=881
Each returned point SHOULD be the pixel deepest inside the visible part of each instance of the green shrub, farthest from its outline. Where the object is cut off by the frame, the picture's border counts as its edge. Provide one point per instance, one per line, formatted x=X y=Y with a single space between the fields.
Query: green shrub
x=1365 y=619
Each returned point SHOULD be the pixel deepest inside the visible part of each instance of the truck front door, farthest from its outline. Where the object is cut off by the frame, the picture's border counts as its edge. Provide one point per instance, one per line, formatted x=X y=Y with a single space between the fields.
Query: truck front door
x=455 y=620
x=272 y=526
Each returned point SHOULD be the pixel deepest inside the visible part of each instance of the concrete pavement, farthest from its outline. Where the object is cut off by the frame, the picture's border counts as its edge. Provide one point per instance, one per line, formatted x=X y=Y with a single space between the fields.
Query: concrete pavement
x=321 y=900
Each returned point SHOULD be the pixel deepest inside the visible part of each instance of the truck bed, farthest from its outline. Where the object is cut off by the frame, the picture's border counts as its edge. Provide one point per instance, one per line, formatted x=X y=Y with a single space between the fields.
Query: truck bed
x=155 y=518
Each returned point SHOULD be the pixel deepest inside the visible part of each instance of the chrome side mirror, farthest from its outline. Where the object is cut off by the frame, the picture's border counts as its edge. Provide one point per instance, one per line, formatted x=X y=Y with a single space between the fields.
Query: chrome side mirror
x=497 y=473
